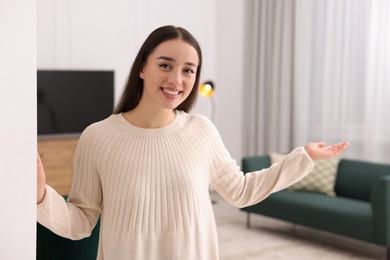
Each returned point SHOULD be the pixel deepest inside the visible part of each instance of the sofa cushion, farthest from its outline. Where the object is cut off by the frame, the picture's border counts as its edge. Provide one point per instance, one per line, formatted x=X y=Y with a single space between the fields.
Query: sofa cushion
x=333 y=214
x=321 y=179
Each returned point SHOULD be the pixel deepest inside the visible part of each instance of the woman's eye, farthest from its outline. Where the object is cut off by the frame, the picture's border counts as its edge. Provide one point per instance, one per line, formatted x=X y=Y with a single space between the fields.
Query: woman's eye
x=189 y=71
x=165 y=66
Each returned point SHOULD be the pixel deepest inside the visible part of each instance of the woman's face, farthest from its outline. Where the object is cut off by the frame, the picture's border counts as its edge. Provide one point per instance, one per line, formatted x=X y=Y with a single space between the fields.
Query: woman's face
x=169 y=74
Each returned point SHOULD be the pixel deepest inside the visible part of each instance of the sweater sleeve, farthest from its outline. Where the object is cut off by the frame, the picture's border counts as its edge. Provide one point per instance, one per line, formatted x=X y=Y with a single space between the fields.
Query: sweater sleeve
x=76 y=217
x=245 y=190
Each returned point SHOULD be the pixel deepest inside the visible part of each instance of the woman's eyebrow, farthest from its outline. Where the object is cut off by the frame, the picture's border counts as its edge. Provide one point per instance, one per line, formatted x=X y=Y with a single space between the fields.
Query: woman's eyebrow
x=172 y=60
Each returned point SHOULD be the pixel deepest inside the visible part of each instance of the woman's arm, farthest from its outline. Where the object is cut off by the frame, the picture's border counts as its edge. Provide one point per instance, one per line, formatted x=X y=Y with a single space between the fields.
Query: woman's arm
x=244 y=190
x=76 y=218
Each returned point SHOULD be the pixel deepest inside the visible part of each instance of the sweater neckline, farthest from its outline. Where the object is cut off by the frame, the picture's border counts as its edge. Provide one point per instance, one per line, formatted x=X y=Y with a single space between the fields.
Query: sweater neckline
x=139 y=131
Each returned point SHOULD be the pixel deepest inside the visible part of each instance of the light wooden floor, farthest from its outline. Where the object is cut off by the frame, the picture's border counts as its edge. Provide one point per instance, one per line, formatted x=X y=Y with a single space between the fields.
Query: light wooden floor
x=273 y=239
x=58 y=158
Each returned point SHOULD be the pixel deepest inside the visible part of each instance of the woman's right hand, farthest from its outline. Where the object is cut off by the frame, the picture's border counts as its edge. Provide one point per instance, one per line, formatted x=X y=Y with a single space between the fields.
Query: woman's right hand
x=41 y=180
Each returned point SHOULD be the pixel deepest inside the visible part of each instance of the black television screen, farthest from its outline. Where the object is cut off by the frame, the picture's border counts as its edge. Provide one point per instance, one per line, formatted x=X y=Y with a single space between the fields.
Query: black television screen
x=70 y=100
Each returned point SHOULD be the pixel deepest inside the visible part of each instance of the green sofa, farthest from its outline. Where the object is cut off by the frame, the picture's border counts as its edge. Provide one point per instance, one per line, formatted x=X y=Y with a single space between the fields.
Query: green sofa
x=360 y=209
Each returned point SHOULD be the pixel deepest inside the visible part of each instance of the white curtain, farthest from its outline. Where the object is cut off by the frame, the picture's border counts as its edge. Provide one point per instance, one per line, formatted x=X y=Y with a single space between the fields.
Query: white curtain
x=269 y=86
x=376 y=131
x=337 y=84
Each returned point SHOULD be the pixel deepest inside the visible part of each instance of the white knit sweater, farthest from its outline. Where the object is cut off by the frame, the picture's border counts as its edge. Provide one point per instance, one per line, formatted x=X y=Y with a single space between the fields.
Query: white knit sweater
x=151 y=187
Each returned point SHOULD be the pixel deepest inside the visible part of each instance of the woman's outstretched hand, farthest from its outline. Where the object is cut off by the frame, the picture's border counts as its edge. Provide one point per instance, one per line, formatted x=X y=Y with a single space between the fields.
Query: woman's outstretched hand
x=321 y=151
x=41 y=180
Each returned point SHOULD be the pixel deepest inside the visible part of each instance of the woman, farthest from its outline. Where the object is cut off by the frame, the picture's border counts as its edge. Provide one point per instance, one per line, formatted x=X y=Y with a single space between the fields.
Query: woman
x=147 y=168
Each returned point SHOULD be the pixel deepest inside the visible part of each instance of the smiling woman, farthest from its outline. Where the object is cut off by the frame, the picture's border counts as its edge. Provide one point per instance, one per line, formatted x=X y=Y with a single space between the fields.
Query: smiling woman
x=147 y=169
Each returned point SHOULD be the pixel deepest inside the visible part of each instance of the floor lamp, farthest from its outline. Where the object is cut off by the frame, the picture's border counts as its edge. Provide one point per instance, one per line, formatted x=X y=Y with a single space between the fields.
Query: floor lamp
x=206 y=89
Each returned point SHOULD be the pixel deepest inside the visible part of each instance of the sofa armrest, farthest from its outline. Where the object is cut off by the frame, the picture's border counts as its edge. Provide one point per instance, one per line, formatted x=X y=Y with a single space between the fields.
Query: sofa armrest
x=380 y=203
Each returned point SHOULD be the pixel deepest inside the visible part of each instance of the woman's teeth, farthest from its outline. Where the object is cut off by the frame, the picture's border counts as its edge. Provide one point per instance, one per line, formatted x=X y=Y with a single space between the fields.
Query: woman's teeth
x=171 y=92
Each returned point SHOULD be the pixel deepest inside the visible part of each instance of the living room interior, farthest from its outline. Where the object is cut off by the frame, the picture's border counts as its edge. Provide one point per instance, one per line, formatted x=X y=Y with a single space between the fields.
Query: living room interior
x=285 y=73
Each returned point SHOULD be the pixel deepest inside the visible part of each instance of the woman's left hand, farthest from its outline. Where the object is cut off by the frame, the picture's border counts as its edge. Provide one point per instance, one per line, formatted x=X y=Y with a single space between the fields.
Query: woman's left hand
x=321 y=151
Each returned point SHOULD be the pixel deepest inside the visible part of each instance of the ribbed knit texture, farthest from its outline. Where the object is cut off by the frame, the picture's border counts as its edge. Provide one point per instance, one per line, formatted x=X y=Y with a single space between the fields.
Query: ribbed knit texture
x=151 y=187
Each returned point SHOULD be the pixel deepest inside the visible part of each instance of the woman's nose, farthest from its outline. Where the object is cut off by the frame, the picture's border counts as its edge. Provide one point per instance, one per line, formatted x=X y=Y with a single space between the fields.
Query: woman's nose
x=175 y=77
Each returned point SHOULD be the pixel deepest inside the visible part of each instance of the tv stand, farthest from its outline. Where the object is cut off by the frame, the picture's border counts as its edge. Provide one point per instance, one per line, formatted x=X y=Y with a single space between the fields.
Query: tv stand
x=58 y=154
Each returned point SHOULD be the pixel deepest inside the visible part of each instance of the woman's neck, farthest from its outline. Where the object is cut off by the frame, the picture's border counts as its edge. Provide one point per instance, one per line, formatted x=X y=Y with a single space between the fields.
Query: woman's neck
x=144 y=118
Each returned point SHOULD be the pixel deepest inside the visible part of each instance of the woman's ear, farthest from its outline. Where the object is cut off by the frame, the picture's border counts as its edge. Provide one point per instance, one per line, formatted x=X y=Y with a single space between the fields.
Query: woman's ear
x=142 y=73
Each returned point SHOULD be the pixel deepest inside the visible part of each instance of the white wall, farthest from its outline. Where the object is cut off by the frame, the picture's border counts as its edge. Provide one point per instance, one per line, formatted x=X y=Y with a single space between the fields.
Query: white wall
x=97 y=34
x=230 y=90
x=18 y=129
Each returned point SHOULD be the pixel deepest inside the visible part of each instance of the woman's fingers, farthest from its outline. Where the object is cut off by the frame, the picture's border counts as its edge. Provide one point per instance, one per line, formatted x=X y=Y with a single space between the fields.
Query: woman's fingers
x=41 y=180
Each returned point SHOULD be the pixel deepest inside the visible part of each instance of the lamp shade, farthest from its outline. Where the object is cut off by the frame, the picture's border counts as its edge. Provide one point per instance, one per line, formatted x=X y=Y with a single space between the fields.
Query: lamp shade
x=206 y=89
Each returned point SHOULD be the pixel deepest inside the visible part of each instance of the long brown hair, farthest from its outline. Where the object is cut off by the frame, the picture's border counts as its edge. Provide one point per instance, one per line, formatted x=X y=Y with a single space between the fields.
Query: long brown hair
x=134 y=86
